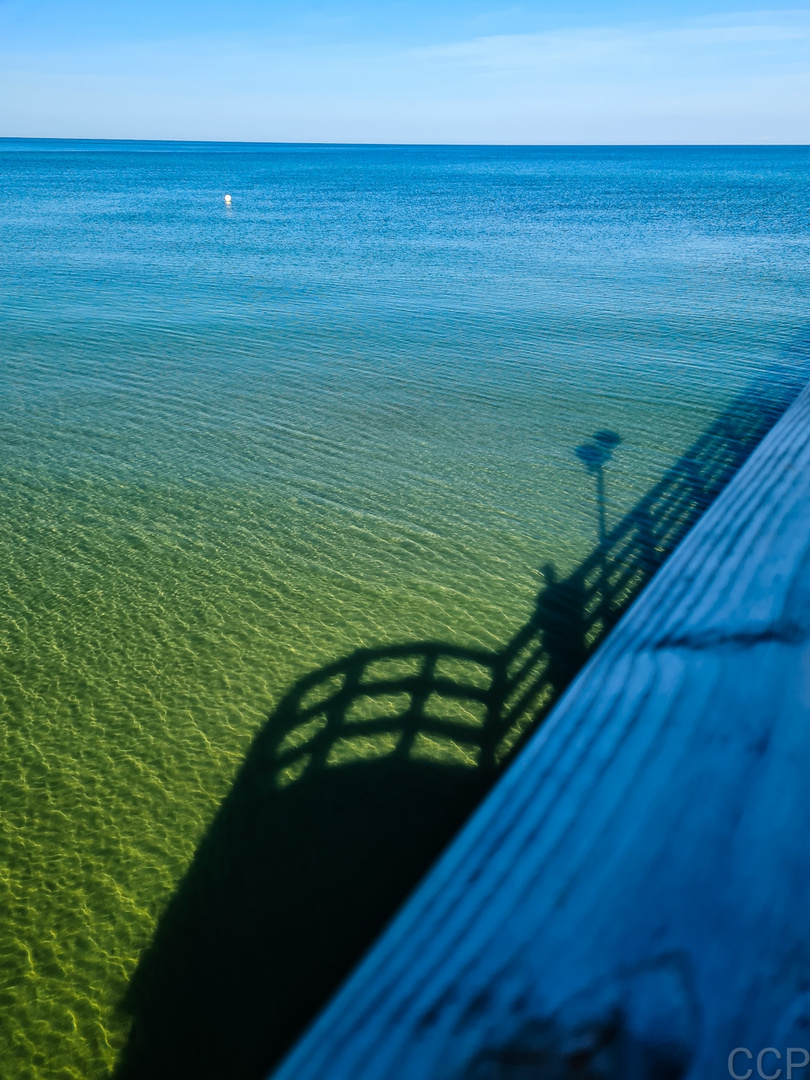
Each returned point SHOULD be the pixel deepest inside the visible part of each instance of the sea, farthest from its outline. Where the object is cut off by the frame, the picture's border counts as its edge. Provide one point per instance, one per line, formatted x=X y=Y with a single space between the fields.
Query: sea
x=240 y=440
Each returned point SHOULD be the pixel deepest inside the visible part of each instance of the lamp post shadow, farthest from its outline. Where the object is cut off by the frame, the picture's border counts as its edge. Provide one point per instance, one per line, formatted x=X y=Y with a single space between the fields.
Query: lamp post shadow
x=594 y=456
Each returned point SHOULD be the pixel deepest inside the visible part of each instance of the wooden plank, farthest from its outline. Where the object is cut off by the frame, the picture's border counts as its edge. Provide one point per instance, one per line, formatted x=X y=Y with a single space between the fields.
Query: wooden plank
x=632 y=898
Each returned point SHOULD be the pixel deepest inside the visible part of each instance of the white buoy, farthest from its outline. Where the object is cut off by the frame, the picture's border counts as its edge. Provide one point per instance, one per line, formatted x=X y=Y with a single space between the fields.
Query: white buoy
x=227 y=200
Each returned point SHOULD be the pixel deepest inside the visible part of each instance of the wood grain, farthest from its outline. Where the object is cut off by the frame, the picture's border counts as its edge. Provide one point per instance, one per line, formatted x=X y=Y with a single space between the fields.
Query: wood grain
x=633 y=899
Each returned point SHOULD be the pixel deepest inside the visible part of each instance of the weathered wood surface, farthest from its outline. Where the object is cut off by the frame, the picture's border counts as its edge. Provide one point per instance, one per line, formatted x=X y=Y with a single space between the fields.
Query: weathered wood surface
x=633 y=899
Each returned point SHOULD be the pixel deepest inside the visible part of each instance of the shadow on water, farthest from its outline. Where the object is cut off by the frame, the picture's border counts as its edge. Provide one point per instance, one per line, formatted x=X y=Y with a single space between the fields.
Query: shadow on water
x=363 y=774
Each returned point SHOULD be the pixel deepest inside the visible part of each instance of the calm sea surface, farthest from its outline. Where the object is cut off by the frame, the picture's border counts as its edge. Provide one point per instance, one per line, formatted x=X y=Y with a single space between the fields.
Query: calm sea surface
x=240 y=442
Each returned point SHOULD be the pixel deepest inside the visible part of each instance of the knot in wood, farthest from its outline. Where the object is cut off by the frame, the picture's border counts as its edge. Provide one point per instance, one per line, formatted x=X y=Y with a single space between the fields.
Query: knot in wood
x=640 y=1026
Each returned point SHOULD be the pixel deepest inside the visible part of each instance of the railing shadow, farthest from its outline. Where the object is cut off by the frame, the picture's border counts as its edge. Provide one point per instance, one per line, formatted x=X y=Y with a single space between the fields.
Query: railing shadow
x=362 y=775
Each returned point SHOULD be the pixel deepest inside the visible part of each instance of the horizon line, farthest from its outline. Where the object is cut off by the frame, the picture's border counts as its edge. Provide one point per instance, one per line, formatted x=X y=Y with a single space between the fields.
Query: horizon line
x=417 y=145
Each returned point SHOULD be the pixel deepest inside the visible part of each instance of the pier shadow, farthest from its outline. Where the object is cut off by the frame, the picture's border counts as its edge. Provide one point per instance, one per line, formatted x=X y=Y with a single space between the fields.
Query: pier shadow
x=365 y=771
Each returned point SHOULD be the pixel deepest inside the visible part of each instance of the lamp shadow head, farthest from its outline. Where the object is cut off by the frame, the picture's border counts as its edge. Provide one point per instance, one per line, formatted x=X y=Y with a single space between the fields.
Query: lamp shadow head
x=608 y=440
x=594 y=455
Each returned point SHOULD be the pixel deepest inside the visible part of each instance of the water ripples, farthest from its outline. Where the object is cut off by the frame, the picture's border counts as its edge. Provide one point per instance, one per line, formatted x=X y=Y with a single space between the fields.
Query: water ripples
x=239 y=445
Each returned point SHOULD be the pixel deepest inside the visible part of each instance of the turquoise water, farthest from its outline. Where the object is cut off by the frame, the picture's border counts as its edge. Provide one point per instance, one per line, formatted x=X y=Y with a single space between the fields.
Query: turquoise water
x=238 y=443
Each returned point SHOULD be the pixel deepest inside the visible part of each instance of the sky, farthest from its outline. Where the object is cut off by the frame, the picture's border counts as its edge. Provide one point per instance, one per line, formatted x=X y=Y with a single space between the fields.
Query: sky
x=446 y=71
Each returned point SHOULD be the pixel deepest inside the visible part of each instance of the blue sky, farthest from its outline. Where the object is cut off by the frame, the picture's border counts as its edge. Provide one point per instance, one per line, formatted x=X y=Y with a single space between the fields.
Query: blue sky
x=448 y=72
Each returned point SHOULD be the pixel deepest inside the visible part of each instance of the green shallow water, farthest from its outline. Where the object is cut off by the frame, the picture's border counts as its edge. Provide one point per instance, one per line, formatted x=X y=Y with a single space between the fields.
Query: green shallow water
x=237 y=445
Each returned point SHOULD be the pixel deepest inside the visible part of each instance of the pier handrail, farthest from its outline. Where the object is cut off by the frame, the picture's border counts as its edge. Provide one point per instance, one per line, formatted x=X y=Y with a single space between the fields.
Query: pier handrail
x=630 y=901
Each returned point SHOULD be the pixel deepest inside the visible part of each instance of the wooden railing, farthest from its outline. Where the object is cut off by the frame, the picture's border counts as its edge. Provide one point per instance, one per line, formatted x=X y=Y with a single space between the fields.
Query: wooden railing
x=630 y=902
